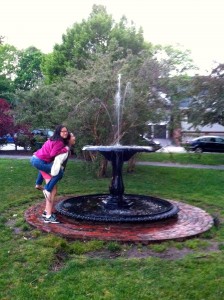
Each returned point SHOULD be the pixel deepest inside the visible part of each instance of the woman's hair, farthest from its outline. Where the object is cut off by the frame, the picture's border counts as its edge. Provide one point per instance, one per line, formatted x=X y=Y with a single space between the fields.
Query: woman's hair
x=57 y=134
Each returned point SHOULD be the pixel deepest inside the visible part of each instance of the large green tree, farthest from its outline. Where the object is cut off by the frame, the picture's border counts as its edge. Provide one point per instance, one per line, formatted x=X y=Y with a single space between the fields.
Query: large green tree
x=8 y=60
x=85 y=98
x=19 y=70
x=28 y=72
x=90 y=96
x=8 y=63
x=98 y=34
x=175 y=60
x=207 y=105
x=40 y=107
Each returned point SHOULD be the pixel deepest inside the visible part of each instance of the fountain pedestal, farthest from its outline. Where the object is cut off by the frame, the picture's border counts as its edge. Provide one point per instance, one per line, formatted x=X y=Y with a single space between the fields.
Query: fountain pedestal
x=116 y=188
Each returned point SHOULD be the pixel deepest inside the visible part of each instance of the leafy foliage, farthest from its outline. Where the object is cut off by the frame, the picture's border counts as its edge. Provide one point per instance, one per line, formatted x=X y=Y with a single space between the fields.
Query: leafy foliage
x=8 y=63
x=90 y=95
x=28 y=73
x=6 y=119
x=8 y=60
x=85 y=67
x=207 y=106
x=175 y=61
x=84 y=99
x=98 y=34
x=40 y=107
x=19 y=70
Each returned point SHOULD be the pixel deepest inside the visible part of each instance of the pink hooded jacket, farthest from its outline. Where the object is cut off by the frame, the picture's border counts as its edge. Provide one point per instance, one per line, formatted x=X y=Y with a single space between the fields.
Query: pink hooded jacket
x=50 y=149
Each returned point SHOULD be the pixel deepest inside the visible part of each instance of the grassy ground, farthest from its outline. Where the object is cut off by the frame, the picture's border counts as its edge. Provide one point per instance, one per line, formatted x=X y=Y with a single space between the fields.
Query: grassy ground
x=36 y=265
x=184 y=158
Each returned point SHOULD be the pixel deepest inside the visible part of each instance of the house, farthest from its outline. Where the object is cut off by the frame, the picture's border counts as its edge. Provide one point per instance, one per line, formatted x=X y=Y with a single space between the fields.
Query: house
x=189 y=132
x=158 y=130
x=186 y=131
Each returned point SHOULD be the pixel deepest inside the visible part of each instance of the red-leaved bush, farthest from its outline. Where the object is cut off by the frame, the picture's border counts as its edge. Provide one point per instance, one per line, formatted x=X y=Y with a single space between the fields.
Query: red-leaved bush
x=6 y=119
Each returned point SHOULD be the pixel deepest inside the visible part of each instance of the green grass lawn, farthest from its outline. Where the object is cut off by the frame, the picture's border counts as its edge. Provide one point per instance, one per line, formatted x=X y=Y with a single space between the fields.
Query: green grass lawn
x=37 y=265
x=184 y=158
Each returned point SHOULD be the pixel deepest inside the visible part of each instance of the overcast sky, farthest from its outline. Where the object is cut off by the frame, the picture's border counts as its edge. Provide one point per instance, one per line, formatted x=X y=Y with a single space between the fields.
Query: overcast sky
x=195 y=24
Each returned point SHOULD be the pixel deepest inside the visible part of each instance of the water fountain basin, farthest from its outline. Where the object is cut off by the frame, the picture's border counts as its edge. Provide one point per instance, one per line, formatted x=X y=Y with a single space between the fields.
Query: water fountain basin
x=95 y=208
x=117 y=206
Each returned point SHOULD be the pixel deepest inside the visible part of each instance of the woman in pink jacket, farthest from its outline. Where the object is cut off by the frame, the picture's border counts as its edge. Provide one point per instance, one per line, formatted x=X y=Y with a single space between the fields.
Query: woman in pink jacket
x=43 y=159
x=60 y=161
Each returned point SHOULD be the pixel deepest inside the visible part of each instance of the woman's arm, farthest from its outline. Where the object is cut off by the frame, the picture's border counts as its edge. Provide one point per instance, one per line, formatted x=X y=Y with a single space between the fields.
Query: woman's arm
x=58 y=147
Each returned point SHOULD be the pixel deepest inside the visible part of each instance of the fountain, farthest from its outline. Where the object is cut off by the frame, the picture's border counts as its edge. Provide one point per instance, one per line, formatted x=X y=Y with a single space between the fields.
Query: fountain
x=117 y=206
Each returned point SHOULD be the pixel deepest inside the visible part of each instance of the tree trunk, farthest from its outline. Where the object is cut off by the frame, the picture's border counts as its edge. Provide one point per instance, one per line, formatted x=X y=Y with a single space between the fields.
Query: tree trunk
x=103 y=168
x=131 y=164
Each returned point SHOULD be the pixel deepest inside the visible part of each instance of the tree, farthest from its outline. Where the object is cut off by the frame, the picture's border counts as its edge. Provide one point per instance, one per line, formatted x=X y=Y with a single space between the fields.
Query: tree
x=40 y=107
x=89 y=94
x=175 y=89
x=175 y=61
x=8 y=63
x=127 y=38
x=1 y=39
x=97 y=34
x=19 y=70
x=207 y=105
x=84 y=99
x=6 y=87
x=28 y=72
x=8 y=60
x=6 y=119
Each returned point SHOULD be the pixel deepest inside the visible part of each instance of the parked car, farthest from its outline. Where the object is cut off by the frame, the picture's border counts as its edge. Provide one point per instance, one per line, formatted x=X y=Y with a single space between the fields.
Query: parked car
x=7 y=139
x=10 y=139
x=43 y=132
x=3 y=141
x=151 y=142
x=206 y=144
x=22 y=139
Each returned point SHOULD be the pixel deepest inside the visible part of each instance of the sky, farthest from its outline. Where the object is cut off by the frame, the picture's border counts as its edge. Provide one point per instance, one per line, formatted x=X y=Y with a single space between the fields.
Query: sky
x=196 y=25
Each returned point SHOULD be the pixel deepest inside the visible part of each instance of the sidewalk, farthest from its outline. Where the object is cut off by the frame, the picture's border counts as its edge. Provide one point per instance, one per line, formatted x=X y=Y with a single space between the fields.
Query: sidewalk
x=143 y=163
x=10 y=147
x=176 y=165
x=172 y=149
x=166 y=149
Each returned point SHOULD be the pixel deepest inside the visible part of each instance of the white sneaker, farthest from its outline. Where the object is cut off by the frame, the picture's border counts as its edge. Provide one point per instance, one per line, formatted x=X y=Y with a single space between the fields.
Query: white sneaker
x=51 y=219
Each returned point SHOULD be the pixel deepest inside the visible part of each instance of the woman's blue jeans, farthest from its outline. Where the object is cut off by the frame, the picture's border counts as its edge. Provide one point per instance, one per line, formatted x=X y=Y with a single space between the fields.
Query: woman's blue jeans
x=42 y=165
x=40 y=179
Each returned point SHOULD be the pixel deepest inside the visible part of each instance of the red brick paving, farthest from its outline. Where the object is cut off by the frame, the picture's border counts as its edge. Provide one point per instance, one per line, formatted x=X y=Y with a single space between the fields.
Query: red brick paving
x=191 y=221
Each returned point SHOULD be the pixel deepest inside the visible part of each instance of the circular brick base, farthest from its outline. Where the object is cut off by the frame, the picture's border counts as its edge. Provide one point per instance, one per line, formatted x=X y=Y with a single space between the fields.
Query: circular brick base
x=190 y=221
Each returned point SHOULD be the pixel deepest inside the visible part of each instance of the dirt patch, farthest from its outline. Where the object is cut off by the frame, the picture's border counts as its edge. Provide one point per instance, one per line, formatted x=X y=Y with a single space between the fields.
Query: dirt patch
x=59 y=261
x=144 y=252
x=126 y=251
x=11 y=224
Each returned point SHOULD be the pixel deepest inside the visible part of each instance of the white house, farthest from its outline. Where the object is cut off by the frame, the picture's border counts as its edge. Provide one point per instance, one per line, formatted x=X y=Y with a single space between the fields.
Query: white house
x=189 y=132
